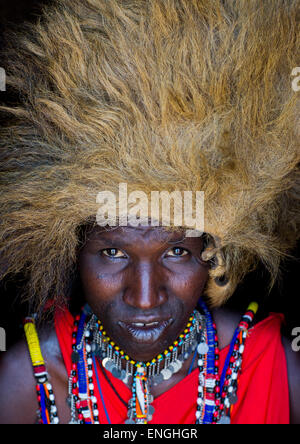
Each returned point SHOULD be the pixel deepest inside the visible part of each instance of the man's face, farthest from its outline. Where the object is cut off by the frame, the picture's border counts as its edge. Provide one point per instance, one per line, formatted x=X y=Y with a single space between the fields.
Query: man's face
x=143 y=284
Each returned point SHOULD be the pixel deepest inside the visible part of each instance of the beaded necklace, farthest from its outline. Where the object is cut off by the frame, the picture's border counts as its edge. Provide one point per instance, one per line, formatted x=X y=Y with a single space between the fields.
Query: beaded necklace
x=216 y=395
x=112 y=355
x=139 y=374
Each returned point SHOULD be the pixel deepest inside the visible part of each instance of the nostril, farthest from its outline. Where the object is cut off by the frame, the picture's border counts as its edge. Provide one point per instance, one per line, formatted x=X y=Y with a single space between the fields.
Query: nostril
x=144 y=300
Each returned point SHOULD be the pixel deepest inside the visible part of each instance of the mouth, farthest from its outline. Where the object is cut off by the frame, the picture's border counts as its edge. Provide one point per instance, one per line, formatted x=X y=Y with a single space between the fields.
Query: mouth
x=146 y=332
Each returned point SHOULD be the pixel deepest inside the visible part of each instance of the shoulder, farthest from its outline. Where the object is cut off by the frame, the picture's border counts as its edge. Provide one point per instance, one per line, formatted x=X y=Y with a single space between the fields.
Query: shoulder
x=293 y=369
x=17 y=386
x=226 y=321
x=17 y=382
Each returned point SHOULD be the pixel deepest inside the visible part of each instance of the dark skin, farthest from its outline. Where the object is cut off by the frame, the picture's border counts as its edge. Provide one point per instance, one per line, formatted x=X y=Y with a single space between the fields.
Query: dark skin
x=129 y=275
x=142 y=275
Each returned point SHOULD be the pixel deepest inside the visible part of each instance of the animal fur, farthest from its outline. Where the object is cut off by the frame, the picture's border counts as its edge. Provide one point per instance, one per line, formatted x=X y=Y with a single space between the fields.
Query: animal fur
x=162 y=95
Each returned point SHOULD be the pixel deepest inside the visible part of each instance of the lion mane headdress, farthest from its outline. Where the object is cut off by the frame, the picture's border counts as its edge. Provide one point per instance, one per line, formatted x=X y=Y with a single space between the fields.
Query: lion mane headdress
x=161 y=95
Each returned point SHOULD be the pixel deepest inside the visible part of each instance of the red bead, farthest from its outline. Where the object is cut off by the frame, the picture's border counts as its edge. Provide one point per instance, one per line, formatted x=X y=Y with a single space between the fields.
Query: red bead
x=217 y=402
x=217 y=389
x=73 y=366
x=39 y=398
x=216 y=414
x=226 y=382
x=80 y=416
x=74 y=379
x=244 y=325
x=221 y=406
x=217 y=351
x=217 y=363
x=232 y=359
x=73 y=341
x=229 y=371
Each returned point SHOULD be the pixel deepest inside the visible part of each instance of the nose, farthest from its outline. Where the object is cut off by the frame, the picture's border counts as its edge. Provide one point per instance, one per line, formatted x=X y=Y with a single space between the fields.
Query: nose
x=145 y=289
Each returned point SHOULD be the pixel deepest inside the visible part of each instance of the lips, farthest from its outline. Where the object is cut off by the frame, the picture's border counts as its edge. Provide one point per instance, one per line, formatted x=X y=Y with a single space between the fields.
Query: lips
x=145 y=331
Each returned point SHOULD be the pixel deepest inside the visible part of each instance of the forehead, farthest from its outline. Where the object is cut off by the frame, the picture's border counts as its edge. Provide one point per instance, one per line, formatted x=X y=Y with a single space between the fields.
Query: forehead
x=141 y=234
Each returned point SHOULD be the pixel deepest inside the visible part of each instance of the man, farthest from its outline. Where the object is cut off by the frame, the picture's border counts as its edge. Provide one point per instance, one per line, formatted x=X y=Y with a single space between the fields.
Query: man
x=162 y=96
x=132 y=276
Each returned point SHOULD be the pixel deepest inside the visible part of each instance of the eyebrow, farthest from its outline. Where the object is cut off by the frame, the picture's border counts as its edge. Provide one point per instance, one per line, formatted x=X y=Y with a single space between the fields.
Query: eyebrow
x=110 y=242
x=122 y=241
x=177 y=241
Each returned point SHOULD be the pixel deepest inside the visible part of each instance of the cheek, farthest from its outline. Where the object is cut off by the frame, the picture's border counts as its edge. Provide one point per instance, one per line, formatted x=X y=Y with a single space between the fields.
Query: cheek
x=189 y=282
x=96 y=284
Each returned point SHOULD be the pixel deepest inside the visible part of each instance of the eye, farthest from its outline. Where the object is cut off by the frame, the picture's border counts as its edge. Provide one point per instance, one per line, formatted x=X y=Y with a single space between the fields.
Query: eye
x=177 y=252
x=113 y=253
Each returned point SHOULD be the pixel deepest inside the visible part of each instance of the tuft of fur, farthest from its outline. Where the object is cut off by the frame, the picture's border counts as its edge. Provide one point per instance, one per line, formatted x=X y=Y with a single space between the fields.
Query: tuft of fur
x=162 y=95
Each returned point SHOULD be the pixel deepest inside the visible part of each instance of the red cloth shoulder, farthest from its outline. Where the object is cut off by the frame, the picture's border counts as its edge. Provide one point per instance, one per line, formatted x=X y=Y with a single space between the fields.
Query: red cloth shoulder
x=263 y=393
x=263 y=396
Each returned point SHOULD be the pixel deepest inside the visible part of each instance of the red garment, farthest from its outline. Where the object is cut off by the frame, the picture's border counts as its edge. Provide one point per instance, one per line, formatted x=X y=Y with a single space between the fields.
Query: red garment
x=263 y=396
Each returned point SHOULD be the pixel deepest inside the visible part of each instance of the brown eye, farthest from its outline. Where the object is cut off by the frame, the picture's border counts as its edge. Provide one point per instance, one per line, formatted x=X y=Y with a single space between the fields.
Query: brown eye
x=113 y=252
x=177 y=252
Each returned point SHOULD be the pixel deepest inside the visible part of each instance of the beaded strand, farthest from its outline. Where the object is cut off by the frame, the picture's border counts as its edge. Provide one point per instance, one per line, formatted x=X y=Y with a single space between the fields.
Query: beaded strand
x=47 y=411
x=233 y=369
x=210 y=378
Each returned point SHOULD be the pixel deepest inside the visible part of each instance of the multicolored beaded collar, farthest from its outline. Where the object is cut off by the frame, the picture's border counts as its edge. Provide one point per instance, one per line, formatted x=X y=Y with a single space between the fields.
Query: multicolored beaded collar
x=216 y=394
x=112 y=357
x=140 y=375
